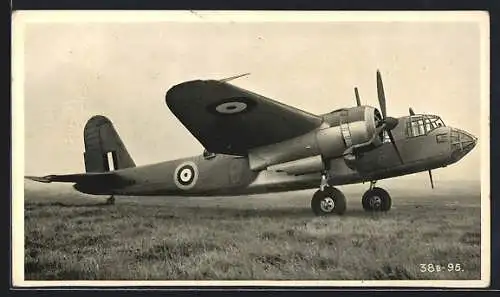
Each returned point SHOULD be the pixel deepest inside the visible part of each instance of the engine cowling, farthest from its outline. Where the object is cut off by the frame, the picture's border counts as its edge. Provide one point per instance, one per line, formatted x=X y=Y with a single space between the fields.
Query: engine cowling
x=342 y=129
x=352 y=127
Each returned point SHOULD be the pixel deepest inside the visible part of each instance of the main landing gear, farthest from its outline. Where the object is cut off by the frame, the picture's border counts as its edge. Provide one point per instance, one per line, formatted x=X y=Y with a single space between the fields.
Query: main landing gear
x=328 y=200
x=376 y=199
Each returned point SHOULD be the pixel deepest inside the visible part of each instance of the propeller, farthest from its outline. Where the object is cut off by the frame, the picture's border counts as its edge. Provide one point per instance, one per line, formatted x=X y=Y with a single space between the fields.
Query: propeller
x=410 y=110
x=388 y=123
x=358 y=101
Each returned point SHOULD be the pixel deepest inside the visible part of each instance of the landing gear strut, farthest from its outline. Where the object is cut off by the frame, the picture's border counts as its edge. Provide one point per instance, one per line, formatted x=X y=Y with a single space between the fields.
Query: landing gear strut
x=376 y=199
x=328 y=200
x=110 y=200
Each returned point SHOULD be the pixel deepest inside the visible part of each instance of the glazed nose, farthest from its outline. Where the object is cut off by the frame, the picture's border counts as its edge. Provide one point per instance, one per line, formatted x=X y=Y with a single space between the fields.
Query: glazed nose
x=461 y=142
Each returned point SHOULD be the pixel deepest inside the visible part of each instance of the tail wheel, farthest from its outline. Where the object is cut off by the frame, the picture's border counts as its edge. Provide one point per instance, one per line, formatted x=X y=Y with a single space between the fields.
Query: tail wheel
x=110 y=200
x=376 y=199
x=329 y=201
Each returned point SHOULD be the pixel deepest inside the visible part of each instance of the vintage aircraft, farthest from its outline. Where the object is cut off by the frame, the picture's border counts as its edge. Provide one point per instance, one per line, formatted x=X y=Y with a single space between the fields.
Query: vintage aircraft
x=257 y=145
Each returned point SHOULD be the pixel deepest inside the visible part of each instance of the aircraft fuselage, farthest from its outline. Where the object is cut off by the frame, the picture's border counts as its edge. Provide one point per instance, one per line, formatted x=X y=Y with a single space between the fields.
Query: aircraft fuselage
x=222 y=175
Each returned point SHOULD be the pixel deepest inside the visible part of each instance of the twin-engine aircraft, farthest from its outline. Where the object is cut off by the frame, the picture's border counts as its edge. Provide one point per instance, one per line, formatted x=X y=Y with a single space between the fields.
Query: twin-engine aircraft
x=254 y=144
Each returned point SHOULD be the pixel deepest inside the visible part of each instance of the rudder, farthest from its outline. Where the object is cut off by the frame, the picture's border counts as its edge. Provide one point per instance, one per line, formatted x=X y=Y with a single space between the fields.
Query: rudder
x=104 y=150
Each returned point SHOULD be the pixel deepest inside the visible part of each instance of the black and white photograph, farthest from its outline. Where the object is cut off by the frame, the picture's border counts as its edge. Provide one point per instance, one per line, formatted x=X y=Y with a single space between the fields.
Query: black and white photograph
x=250 y=148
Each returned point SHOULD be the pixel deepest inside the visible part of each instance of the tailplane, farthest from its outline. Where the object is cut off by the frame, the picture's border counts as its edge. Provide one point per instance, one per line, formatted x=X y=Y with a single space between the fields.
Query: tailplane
x=104 y=150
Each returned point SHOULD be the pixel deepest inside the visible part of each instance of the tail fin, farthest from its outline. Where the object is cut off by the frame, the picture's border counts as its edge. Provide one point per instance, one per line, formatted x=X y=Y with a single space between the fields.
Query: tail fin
x=104 y=150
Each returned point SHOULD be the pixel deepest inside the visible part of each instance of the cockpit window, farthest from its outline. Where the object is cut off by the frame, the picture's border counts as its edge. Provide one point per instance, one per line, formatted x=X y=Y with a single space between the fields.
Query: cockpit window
x=422 y=124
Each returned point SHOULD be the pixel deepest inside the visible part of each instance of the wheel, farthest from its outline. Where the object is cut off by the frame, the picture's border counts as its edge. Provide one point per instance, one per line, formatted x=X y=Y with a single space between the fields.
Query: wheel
x=376 y=199
x=327 y=202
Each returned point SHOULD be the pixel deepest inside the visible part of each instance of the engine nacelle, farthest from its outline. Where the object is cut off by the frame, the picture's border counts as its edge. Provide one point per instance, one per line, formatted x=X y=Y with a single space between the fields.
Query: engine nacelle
x=341 y=129
x=300 y=166
x=352 y=127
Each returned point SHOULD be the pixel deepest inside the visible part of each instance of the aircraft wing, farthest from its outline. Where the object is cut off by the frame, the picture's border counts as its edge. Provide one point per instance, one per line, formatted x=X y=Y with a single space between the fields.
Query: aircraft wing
x=230 y=120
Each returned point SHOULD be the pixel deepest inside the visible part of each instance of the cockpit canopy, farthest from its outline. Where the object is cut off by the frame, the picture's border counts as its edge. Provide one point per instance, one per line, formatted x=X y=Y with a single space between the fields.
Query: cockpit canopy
x=422 y=124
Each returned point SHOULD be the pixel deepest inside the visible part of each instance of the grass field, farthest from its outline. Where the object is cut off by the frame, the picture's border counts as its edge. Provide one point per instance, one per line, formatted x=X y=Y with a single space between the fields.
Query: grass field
x=70 y=236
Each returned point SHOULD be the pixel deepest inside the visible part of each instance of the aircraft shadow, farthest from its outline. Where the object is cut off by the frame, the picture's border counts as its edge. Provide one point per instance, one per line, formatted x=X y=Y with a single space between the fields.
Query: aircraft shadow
x=227 y=212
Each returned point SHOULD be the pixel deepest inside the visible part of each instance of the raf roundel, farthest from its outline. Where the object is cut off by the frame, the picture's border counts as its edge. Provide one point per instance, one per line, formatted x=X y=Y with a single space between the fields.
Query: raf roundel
x=185 y=175
x=231 y=107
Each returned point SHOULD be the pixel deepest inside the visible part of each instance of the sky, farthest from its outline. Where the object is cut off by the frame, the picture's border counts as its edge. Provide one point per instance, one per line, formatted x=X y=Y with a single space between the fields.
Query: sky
x=122 y=70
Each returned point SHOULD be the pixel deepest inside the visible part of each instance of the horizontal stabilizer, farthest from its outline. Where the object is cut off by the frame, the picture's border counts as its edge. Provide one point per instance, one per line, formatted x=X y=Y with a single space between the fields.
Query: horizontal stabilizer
x=40 y=179
x=81 y=178
x=90 y=182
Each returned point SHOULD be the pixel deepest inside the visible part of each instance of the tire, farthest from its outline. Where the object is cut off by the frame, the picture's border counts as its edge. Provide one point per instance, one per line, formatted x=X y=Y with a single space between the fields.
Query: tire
x=365 y=202
x=384 y=204
x=332 y=194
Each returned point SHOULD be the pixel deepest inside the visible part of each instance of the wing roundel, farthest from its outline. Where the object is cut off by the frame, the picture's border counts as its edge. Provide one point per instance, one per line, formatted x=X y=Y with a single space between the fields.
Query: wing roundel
x=230 y=120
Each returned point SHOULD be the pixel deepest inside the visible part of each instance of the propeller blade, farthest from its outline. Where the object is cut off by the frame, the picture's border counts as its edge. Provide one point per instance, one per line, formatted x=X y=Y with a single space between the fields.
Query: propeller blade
x=233 y=77
x=381 y=95
x=358 y=101
x=391 y=137
x=430 y=177
x=411 y=111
